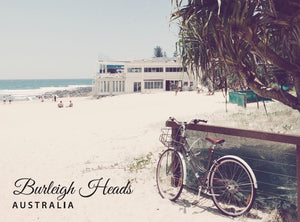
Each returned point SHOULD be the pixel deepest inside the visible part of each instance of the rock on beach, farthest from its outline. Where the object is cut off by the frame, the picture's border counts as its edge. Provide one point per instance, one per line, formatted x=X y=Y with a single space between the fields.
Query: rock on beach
x=78 y=92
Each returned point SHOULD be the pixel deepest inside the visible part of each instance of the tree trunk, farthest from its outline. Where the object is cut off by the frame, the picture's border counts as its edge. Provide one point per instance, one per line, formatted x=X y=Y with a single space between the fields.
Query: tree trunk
x=272 y=93
x=270 y=55
x=297 y=86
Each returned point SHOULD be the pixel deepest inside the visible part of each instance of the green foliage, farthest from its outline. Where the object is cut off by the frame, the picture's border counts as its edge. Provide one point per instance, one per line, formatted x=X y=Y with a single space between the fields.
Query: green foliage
x=238 y=43
x=158 y=52
x=140 y=163
x=287 y=127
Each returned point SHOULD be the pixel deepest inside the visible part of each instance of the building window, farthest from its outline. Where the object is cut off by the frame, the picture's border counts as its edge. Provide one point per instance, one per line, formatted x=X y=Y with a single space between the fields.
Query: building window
x=115 y=68
x=105 y=86
x=153 y=69
x=175 y=69
x=134 y=70
x=102 y=68
x=158 y=84
x=118 y=86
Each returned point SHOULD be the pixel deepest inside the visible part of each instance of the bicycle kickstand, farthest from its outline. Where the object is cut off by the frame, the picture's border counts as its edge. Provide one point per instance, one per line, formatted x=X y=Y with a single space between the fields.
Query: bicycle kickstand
x=198 y=196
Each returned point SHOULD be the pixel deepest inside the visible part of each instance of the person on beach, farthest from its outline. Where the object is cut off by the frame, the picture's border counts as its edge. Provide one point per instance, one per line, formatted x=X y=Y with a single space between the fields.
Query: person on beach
x=4 y=100
x=210 y=93
x=70 y=104
x=199 y=89
x=60 y=104
x=9 y=99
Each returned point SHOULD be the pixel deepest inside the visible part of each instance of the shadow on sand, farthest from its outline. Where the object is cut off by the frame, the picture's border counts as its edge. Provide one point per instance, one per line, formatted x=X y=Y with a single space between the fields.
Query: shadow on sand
x=205 y=204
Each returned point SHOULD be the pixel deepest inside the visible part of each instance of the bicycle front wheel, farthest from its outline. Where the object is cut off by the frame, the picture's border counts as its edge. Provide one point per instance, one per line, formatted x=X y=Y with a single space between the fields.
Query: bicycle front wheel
x=170 y=175
x=232 y=186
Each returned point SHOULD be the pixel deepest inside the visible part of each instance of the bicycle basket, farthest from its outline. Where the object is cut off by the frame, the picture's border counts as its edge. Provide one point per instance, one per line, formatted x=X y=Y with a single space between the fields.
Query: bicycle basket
x=166 y=137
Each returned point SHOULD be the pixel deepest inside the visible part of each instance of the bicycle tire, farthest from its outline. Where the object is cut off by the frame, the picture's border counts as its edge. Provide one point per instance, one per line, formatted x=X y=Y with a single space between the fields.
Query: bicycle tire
x=170 y=175
x=233 y=186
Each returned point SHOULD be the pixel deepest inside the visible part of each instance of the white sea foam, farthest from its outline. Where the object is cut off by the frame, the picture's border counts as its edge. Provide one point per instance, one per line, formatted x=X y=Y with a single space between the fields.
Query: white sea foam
x=24 y=94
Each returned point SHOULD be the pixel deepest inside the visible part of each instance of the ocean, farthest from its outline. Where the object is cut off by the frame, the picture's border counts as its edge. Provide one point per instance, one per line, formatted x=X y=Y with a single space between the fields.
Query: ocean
x=23 y=89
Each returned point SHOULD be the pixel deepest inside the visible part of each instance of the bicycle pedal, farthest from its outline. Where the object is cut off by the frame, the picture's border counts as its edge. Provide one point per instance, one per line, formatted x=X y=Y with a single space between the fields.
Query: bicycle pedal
x=195 y=202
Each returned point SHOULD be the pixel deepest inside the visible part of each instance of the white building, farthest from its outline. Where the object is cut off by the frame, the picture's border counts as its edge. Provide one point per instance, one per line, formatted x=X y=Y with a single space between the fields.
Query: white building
x=158 y=74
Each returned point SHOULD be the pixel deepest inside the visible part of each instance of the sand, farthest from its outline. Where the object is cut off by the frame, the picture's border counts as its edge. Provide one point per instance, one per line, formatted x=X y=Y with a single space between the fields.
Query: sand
x=98 y=141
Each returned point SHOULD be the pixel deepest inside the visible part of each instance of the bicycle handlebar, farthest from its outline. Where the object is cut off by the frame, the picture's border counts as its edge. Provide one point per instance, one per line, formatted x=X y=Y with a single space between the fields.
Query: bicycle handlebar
x=194 y=121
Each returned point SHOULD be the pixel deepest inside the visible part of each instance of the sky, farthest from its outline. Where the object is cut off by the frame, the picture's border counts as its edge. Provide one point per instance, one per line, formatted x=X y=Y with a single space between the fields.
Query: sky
x=42 y=39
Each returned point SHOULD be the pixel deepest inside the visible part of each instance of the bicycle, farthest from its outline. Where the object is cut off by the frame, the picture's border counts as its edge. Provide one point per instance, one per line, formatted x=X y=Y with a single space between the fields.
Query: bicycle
x=229 y=180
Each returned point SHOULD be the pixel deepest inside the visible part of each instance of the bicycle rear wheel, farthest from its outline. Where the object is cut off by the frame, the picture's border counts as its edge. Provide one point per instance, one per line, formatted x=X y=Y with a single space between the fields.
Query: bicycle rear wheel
x=232 y=186
x=170 y=175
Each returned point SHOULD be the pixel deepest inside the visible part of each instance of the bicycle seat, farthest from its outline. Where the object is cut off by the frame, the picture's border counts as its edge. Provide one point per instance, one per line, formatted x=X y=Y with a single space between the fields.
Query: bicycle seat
x=214 y=140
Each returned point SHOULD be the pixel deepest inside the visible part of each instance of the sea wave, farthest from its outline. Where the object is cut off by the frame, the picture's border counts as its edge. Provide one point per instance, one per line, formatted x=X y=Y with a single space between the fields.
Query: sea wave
x=29 y=94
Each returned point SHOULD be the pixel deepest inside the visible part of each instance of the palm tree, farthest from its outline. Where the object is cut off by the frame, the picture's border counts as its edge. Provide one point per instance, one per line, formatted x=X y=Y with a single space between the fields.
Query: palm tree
x=257 y=41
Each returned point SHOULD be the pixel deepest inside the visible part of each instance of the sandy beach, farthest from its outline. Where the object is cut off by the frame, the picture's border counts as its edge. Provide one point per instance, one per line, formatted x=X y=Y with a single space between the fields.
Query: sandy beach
x=99 y=142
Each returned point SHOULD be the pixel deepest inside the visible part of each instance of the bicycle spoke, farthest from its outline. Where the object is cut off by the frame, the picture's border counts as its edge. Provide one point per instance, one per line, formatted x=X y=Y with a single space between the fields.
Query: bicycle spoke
x=169 y=175
x=231 y=187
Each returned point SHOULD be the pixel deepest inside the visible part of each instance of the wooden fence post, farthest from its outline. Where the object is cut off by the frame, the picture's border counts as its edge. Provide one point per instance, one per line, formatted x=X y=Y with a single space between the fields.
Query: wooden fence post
x=298 y=181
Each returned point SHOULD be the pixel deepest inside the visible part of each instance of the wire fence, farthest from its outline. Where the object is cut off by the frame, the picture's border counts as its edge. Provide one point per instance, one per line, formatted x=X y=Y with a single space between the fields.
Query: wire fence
x=273 y=158
x=274 y=165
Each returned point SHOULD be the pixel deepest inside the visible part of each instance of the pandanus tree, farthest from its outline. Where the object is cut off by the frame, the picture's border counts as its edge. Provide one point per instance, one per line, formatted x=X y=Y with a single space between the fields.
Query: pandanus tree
x=255 y=42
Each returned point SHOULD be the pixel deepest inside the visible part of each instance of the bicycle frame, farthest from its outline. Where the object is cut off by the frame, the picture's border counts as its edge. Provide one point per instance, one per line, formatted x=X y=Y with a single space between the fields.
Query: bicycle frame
x=190 y=157
x=184 y=148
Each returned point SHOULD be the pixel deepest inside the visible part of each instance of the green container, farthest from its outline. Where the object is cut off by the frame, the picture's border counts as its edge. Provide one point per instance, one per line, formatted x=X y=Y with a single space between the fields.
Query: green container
x=238 y=98
x=245 y=96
